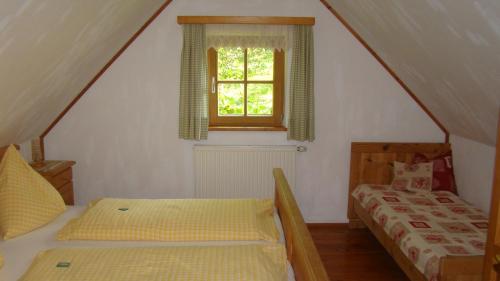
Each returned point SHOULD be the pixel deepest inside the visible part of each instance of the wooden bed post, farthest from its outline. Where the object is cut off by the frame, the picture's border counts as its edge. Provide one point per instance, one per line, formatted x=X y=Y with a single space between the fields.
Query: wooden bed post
x=492 y=245
x=354 y=177
x=301 y=251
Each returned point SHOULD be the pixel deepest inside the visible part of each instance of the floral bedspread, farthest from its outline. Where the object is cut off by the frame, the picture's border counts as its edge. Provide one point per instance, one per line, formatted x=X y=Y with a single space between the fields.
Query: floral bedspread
x=426 y=225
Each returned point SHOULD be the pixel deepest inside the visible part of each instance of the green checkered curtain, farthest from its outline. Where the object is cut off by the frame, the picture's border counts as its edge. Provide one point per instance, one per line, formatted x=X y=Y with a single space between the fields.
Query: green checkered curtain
x=301 y=103
x=193 y=102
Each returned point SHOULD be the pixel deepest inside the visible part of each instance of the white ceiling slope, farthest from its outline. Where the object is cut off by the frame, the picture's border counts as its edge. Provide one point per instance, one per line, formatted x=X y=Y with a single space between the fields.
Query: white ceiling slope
x=50 y=49
x=446 y=51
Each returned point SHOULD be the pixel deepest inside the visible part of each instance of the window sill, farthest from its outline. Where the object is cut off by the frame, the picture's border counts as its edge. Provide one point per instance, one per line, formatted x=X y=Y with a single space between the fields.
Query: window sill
x=241 y=128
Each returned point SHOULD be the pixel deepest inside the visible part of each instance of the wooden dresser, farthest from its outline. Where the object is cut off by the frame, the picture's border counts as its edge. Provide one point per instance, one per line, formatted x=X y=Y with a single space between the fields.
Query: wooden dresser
x=60 y=175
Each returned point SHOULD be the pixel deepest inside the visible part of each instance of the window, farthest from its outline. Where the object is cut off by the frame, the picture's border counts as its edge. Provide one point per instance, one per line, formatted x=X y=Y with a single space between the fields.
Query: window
x=246 y=87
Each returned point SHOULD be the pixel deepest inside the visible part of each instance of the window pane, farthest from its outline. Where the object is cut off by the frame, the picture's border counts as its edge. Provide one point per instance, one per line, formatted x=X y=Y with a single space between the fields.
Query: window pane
x=231 y=64
x=231 y=99
x=260 y=64
x=260 y=99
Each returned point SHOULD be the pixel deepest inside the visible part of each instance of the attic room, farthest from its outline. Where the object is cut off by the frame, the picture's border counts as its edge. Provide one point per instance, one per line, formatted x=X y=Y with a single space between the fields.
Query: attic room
x=249 y=140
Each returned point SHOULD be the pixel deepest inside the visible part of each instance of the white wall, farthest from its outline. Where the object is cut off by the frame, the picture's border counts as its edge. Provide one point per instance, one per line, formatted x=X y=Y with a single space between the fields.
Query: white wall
x=25 y=149
x=446 y=51
x=123 y=132
x=473 y=163
x=50 y=49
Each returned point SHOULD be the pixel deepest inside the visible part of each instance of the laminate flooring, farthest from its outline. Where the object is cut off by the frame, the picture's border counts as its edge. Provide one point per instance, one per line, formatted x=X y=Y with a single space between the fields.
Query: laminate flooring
x=353 y=254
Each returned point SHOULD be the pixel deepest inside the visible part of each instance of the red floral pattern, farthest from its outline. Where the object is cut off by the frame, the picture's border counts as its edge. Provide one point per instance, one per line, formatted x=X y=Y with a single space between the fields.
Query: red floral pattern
x=419 y=224
x=391 y=193
x=436 y=239
x=478 y=244
x=480 y=225
x=426 y=225
x=398 y=232
x=372 y=205
x=413 y=254
x=361 y=197
x=402 y=209
x=439 y=214
x=444 y=200
x=391 y=199
x=443 y=177
x=412 y=177
x=477 y=217
x=421 y=183
x=431 y=270
x=382 y=219
x=421 y=201
x=460 y=210
x=456 y=250
x=411 y=167
x=456 y=227
x=400 y=184
x=418 y=217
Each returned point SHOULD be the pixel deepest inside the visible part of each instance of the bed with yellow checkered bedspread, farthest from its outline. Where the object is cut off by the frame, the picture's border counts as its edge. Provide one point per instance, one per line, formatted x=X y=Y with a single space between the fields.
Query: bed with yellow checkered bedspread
x=175 y=220
x=245 y=262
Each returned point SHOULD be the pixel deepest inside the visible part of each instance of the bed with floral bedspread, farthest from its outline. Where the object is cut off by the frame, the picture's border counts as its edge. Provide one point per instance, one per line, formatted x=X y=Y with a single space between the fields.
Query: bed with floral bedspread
x=426 y=225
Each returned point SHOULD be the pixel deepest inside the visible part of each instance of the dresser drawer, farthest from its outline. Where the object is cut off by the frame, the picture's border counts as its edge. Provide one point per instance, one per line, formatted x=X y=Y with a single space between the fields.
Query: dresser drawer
x=59 y=174
x=62 y=178
x=66 y=192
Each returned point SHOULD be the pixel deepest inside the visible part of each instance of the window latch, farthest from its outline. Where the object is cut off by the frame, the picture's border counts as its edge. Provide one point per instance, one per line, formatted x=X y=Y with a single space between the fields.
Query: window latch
x=213 y=84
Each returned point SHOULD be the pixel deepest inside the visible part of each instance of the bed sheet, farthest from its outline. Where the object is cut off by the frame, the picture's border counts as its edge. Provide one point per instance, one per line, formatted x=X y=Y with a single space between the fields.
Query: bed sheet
x=174 y=220
x=20 y=252
x=263 y=262
x=426 y=225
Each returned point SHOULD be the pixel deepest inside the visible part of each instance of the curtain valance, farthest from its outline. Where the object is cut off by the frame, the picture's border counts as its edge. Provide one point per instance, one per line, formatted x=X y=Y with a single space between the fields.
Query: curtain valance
x=249 y=36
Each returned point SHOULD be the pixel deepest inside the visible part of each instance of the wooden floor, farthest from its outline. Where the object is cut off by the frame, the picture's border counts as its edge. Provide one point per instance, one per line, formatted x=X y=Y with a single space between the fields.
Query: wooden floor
x=353 y=254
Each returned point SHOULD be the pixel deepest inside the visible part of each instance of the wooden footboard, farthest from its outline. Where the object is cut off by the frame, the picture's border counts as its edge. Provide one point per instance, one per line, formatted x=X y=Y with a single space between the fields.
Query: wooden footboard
x=452 y=268
x=301 y=251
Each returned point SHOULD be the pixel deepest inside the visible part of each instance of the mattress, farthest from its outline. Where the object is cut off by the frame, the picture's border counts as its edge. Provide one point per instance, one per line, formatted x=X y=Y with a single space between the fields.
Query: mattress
x=20 y=252
x=426 y=225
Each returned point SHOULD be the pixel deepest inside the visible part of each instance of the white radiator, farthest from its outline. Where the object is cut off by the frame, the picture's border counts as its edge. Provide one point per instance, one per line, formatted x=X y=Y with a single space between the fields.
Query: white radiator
x=241 y=171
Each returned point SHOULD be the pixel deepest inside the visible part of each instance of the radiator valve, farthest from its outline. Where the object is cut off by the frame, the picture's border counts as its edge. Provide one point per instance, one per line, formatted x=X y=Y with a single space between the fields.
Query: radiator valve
x=301 y=148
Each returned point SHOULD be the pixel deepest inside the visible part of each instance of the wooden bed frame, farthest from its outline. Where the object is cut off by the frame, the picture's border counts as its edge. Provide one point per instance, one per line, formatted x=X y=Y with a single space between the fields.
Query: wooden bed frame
x=301 y=251
x=373 y=163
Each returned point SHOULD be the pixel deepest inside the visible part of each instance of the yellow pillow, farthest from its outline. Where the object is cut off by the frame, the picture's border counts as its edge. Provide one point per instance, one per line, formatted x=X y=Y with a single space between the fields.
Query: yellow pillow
x=27 y=200
x=1 y=261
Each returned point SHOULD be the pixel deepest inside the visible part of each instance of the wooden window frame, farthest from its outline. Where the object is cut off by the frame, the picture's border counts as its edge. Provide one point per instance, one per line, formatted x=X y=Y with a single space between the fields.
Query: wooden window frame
x=244 y=122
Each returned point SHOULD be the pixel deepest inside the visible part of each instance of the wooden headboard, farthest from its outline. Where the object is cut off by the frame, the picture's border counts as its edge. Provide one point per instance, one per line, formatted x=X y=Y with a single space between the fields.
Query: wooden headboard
x=372 y=162
x=3 y=149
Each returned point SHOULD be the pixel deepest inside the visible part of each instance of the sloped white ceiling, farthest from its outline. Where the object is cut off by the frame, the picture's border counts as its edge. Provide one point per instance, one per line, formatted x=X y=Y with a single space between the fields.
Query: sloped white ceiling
x=446 y=51
x=50 y=49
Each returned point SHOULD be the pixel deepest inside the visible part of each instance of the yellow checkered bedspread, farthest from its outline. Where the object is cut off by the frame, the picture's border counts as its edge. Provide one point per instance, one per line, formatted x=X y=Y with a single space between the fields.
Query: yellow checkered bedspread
x=174 y=220
x=249 y=262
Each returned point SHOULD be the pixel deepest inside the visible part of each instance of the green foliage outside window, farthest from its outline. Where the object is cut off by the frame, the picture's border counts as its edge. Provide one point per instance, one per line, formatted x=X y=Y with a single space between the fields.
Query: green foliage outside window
x=231 y=64
x=231 y=68
x=231 y=99
x=260 y=64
